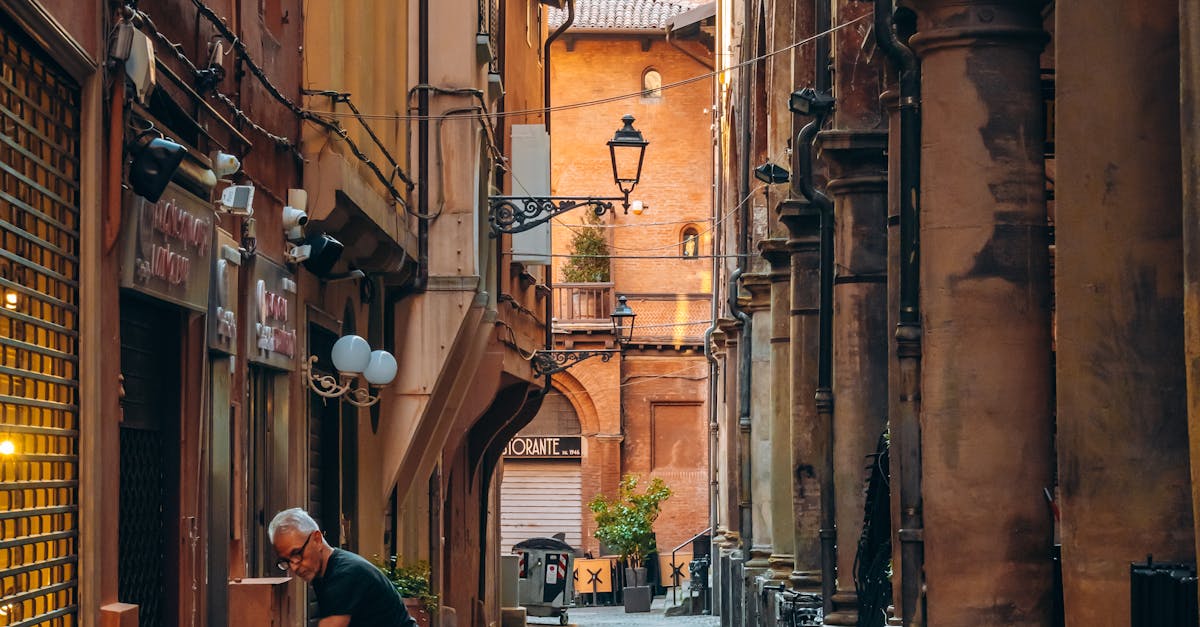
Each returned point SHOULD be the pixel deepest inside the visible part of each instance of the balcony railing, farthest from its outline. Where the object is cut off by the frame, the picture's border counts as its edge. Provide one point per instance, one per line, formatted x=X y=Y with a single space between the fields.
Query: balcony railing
x=583 y=307
x=668 y=319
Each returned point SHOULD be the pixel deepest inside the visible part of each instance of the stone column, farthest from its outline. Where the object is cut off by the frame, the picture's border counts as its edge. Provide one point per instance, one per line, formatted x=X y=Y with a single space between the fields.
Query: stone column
x=775 y=251
x=987 y=430
x=854 y=150
x=1122 y=392
x=858 y=184
x=759 y=307
x=808 y=440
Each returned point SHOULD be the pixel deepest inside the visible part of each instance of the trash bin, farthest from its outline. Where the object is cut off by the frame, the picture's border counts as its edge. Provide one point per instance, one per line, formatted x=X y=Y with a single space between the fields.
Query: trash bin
x=544 y=577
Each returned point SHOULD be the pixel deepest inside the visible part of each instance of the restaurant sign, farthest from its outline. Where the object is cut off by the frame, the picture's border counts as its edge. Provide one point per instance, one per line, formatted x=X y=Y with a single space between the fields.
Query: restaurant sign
x=272 y=313
x=167 y=247
x=223 y=305
x=544 y=446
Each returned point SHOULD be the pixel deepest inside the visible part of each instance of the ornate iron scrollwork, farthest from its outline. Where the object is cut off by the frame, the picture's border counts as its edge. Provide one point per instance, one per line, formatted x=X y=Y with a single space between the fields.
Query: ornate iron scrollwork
x=550 y=362
x=514 y=214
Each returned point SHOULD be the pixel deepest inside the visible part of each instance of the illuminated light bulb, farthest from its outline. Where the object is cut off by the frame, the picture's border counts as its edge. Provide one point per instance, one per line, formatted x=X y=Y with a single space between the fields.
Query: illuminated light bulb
x=7 y=447
x=10 y=300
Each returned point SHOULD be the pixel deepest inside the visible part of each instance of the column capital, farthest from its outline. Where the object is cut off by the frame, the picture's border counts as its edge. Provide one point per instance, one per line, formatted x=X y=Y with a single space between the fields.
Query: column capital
x=958 y=24
x=759 y=286
x=800 y=217
x=775 y=251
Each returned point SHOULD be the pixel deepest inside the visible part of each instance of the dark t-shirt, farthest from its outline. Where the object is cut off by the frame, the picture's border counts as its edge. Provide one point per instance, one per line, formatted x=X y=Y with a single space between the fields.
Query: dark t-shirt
x=354 y=587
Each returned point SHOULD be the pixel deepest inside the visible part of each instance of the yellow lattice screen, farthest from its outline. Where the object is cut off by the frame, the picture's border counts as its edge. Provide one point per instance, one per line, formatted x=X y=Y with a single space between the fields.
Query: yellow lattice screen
x=39 y=379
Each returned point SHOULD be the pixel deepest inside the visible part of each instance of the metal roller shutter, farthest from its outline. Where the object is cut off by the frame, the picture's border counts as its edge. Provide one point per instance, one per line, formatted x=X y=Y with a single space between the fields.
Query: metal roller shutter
x=539 y=499
x=39 y=339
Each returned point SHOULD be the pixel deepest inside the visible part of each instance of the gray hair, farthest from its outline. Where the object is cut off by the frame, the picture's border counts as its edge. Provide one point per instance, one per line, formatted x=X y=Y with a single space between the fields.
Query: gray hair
x=295 y=519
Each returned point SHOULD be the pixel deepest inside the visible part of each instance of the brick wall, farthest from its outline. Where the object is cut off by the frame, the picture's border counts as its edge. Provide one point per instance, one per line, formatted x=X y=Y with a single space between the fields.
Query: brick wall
x=649 y=408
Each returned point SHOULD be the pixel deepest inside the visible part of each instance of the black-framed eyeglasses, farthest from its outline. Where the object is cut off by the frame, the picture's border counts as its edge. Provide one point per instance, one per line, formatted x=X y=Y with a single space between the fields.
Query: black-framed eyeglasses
x=286 y=563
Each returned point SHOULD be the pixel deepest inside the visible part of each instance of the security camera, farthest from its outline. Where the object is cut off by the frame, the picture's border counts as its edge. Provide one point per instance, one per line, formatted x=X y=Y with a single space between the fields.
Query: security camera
x=238 y=200
x=296 y=254
x=224 y=164
x=293 y=217
x=294 y=214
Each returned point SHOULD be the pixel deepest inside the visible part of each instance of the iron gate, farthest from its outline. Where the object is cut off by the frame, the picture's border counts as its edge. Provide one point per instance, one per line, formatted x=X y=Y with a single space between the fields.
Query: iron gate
x=39 y=340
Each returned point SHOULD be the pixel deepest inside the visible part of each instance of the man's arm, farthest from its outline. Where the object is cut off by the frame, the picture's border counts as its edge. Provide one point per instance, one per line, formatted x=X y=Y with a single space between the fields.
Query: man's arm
x=342 y=620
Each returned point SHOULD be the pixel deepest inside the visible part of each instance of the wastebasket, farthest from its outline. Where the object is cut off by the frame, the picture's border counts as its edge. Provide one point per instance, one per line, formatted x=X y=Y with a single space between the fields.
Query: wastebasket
x=544 y=577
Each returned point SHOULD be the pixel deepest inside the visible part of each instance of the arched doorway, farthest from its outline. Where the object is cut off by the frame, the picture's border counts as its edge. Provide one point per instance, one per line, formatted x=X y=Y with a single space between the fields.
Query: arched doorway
x=541 y=493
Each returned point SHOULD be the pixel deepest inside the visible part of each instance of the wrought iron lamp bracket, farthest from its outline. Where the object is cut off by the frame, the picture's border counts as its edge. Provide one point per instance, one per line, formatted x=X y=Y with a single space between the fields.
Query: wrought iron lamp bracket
x=554 y=361
x=514 y=214
x=327 y=386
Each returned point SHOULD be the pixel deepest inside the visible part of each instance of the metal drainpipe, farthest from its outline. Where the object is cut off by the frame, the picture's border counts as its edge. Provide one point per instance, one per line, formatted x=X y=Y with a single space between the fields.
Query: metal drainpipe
x=824 y=392
x=422 y=280
x=908 y=331
x=745 y=496
x=546 y=58
x=821 y=75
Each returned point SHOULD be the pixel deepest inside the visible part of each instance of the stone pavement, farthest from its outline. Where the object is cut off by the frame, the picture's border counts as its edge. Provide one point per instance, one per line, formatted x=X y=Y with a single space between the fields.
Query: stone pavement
x=601 y=616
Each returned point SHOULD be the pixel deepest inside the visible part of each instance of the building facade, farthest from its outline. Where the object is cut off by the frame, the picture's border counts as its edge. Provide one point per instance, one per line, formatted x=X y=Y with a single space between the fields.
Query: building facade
x=199 y=197
x=955 y=273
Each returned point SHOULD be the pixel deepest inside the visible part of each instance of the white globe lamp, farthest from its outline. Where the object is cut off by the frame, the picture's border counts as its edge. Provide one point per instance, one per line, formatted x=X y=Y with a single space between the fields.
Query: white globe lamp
x=381 y=369
x=351 y=354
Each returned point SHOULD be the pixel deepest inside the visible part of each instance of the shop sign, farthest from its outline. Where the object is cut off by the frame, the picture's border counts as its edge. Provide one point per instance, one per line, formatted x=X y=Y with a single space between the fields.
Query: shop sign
x=167 y=247
x=544 y=446
x=223 y=304
x=273 y=315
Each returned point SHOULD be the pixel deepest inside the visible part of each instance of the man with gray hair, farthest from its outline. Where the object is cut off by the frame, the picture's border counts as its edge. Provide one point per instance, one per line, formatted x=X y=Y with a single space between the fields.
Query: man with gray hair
x=351 y=592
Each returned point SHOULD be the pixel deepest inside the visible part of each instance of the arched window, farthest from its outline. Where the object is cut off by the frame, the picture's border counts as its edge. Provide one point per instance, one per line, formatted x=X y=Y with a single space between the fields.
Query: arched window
x=689 y=242
x=651 y=83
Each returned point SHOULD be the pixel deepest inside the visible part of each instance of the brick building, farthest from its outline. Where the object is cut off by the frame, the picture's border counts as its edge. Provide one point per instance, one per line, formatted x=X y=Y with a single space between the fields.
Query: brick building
x=644 y=412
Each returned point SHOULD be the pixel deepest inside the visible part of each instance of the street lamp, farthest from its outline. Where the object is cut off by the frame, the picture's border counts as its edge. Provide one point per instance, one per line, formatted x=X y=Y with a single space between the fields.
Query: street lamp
x=352 y=357
x=627 y=149
x=554 y=361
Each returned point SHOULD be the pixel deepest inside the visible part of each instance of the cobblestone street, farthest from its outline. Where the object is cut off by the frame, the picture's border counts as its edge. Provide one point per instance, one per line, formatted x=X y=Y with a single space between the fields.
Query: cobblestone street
x=615 y=615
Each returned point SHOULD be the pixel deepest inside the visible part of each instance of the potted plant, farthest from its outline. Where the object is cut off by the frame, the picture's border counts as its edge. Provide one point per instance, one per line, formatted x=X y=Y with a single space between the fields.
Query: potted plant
x=588 y=262
x=626 y=525
x=412 y=582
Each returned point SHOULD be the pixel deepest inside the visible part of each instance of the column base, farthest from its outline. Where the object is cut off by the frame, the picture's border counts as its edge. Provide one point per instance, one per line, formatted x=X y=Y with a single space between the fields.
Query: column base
x=806 y=580
x=845 y=610
x=781 y=566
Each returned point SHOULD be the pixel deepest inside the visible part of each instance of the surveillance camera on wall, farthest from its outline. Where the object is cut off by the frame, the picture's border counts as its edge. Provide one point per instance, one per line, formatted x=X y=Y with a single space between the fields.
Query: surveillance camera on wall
x=294 y=214
x=224 y=164
x=238 y=200
x=293 y=217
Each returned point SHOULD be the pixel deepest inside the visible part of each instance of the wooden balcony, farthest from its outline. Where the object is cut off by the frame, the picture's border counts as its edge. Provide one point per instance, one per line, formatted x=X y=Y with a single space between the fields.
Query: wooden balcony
x=583 y=307
x=664 y=319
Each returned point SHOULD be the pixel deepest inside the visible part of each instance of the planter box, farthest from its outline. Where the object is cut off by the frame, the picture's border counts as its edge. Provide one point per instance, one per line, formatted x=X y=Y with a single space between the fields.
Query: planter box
x=417 y=610
x=637 y=599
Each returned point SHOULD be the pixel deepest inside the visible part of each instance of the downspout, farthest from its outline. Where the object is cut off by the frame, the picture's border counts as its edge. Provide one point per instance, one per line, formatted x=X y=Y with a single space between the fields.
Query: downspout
x=546 y=59
x=908 y=331
x=821 y=76
x=824 y=392
x=422 y=280
x=745 y=500
x=714 y=369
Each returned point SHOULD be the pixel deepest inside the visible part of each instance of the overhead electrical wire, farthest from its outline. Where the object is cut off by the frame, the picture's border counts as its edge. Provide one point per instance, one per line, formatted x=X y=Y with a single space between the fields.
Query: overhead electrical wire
x=617 y=98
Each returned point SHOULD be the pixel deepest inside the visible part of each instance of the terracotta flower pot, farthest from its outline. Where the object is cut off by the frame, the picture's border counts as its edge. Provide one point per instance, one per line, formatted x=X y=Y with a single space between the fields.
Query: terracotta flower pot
x=417 y=610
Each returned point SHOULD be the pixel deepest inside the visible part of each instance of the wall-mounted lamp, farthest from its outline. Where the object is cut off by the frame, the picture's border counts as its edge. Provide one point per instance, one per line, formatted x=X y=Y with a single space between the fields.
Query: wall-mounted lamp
x=553 y=361
x=7 y=447
x=352 y=356
x=771 y=174
x=809 y=101
x=318 y=252
x=155 y=161
x=627 y=149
